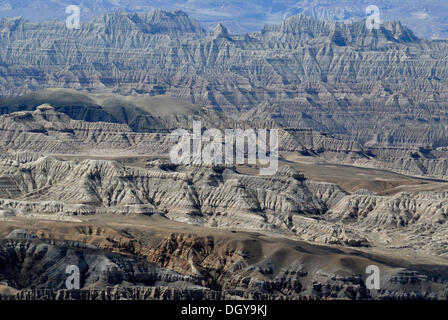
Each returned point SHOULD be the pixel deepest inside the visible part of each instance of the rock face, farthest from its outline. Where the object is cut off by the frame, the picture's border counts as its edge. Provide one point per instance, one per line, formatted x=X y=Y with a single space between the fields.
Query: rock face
x=202 y=267
x=215 y=196
x=130 y=130
x=47 y=131
x=34 y=184
x=224 y=198
x=379 y=87
x=27 y=262
x=208 y=267
x=426 y=19
x=89 y=159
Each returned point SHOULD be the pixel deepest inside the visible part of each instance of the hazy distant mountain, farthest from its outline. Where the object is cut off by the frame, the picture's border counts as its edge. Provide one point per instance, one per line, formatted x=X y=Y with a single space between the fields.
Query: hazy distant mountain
x=428 y=18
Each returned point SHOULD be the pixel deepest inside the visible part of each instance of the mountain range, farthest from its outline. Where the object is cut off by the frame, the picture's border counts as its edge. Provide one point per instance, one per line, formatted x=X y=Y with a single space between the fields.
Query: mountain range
x=427 y=18
x=86 y=178
x=343 y=79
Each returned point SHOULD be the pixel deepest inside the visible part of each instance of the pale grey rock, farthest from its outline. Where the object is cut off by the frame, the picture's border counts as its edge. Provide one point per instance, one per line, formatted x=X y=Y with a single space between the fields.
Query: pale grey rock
x=224 y=198
x=20 y=234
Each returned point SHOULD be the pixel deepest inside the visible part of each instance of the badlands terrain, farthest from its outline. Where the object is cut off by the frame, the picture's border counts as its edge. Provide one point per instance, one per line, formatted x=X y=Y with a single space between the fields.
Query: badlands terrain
x=428 y=18
x=105 y=196
x=86 y=177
